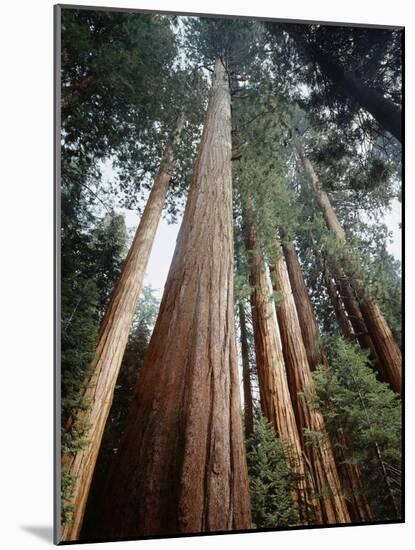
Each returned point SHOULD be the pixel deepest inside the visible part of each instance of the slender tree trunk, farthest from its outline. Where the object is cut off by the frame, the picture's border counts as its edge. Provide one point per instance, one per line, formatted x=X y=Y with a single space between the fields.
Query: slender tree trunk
x=319 y=453
x=337 y=300
x=246 y=375
x=388 y=115
x=385 y=345
x=350 y=476
x=347 y=309
x=357 y=321
x=112 y=341
x=306 y=317
x=182 y=467
x=276 y=402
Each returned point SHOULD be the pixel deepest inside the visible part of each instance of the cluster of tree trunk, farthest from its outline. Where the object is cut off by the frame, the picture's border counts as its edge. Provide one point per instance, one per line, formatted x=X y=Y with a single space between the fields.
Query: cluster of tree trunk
x=112 y=340
x=183 y=450
x=181 y=465
x=276 y=402
x=369 y=325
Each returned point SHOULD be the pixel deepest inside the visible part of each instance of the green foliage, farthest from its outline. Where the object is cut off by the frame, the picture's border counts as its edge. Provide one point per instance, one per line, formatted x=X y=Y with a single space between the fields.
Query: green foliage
x=67 y=488
x=92 y=250
x=109 y=244
x=238 y=42
x=368 y=413
x=125 y=79
x=114 y=65
x=371 y=56
x=269 y=478
x=260 y=173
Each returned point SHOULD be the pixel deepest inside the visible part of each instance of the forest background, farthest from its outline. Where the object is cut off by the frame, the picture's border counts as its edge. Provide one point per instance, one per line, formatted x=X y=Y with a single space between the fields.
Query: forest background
x=32 y=274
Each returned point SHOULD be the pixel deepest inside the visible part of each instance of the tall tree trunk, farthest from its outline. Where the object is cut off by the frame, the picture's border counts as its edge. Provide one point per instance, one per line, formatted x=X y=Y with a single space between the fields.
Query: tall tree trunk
x=112 y=340
x=388 y=115
x=350 y=476
x=319 y=453
x=306 y=317
x=182 y=466
x=275 y=397
x=337 y=300
x=386 y=347
x=347 y=310
x=357 y=321
x=246 y=375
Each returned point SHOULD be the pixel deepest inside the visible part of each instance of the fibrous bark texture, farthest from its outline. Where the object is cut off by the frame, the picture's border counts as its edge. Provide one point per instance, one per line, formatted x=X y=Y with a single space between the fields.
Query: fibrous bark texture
x=112 y=341
x=337 y=300
x=350 y=475
x=319 y=453
x=181 y=467
x=306 y=317
x=275 y=397
x=385 y=346
x=246 y=375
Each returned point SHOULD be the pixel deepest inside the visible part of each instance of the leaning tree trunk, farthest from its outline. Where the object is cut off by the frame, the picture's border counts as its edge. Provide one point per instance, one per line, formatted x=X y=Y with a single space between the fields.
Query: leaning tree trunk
x=350 y=475
x=306 y=317
x=112 y=340
x=337 y=301
x=388 y=115
x=246 y=375
x=386 y=347
x=319 y=453
x=275 y=397
x=347 y=311
x=181 y=467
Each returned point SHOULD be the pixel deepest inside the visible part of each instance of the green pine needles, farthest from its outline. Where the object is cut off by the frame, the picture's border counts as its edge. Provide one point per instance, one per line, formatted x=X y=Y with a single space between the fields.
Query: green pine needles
x=269 y=479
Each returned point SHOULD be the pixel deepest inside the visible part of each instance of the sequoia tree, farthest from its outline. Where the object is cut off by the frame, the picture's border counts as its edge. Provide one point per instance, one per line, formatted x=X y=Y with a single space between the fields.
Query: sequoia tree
x=349 y=473
x=112 y=340
x=276 y=402
x=385 y=345
x=182 y=466
x=308 y=324
x=309 y=420
x=246 y=375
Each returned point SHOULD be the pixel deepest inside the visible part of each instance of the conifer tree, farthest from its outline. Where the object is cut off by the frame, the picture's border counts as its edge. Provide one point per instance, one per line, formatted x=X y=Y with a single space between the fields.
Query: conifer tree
x=276 y=402
x=112 y=340
x=368 y=414
x=183 y=451
x=384 y=343
x=309 y=421
x=270 y=479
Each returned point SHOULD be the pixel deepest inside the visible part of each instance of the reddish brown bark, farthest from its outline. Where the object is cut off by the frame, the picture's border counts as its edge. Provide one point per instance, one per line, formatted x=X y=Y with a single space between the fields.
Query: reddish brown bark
x=385 y=346
x=357 y=321
x=181 y=467
x=335 y=297
x=275 y=397
x=112 y=341
x=306 y=317
x=320 y=456
x=246 y=375
x=350 y=476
